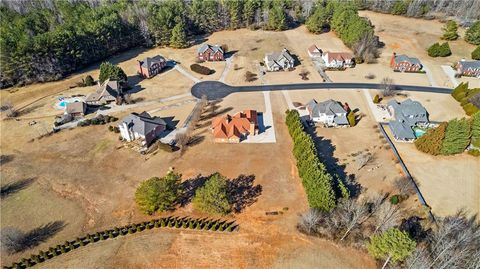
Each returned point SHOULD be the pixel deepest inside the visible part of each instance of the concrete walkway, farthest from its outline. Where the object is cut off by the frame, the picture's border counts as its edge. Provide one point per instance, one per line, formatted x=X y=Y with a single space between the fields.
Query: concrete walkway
x=448 y=70
x=120 y=108
x=432 y=81
x=228 y=66
x=186 y=73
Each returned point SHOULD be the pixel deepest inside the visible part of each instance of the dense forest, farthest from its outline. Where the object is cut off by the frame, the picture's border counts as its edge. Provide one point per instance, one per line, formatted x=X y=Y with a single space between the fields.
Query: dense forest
x=44 y=40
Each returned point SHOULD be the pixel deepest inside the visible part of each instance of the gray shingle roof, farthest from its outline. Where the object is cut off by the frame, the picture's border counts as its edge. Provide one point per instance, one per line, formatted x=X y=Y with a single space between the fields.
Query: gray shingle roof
x=275 y=57
x=403 y=57
x=143 y=123
x=407 y=114
x=329 y=107
x=147 y=62
x=108 y=90
x=214 y=48
x=401 y=130
x=470 y=64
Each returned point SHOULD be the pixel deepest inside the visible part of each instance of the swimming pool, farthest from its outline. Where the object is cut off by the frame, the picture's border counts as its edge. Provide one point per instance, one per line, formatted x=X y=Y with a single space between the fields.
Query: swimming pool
x=62 y=102
x=419 y=132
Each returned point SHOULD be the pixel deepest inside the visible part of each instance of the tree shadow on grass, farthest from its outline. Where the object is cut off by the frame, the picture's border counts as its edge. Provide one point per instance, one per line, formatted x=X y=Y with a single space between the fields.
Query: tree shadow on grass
x=4 y=159
x=189 y=188
x=11 y=188
x=243 y=192
x=14 y=240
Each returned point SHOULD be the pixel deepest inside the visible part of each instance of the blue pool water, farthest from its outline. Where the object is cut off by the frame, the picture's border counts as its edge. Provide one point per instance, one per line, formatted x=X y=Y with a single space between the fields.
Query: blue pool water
x=419 y=132
x=62 y=104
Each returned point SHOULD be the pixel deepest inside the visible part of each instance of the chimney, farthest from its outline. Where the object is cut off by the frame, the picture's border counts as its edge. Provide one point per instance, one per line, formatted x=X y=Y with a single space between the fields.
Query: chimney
x=252 y=128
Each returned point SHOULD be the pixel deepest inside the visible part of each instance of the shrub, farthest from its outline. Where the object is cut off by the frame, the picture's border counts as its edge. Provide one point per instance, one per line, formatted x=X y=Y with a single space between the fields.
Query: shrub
x=376 y=99
x=474 y=152
x=249 y=76
x=158 y=194
x=431 y=142
x=470 y=109
x=351 y=119
x=472 y=35
x=89 y=81
x=437 y=50
x=460 y=91
x=450 y=30
x=201 y=69
x=213 y=197
x=476 y=53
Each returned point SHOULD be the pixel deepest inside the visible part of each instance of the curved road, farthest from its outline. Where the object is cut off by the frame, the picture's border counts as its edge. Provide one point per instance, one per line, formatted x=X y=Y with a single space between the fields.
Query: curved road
x=217 y=90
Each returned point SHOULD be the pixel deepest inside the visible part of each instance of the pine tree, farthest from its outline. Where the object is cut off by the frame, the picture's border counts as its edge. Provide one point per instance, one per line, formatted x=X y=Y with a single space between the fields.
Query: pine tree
x=472 y=35
x=112 y=72
x=431 y=142
x=476 y=53
x=457 y=137
x=158 y=194
x=476 y=129
x=213 y=197
x=318 y=21
x=460 y=91
x=392 y=245
x=179 y=37
x=450 y=30
x=351 y=119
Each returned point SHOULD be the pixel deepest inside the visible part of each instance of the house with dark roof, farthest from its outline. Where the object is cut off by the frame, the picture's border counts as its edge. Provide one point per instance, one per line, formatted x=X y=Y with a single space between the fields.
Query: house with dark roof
x=338 y=59
x=468 y=68
x=403 y=63
x=106 y=92
x=233 y=129
x=276 y=61
x=330 y=112
x=208 y=52
x=76 y=109
x=141 y=126
x=149 y=67
x=407 y=114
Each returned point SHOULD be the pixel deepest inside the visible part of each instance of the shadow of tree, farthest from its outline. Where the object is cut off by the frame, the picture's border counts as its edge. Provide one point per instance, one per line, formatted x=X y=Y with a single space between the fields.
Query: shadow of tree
x=11 y=188
x=4 y=159
x=325 y=151
x=243 y=192
x=14 y=240
x=189 y=188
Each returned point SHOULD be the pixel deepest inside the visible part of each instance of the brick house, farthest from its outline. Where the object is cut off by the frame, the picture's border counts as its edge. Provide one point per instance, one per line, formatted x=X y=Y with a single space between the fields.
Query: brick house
x=149 y=67
x=209 y=52
x=403 y=63
x=468 y=68
x=233 y=129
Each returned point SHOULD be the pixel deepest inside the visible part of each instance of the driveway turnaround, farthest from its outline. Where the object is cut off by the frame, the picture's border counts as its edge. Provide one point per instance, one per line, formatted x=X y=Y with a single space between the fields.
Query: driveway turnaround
x=216 y=90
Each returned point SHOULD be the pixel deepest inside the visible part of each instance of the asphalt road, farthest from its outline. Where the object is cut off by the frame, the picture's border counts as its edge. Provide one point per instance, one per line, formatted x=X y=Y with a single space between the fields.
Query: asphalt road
x=216 y=90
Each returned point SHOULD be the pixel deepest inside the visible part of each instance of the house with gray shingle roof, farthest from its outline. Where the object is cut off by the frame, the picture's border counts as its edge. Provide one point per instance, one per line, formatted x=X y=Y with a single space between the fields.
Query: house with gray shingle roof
x=403 y=63
x=330 y=112
x=106 y=92
x=141 y=126
x=149 y=67
x=407 y=114
x=276 y=61
x=208 y=52
x=468 y=68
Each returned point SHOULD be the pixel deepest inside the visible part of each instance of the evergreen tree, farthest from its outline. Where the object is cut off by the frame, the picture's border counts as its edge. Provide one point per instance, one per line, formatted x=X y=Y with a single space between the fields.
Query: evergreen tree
x=318 y=21
x=277 y=19
x=179 y=37
x=450 y=30
x=476 y=53
x=213 y=197
x=457 y=137
x=460 y=91
x=400 y=7
x=431 y=142
x=392 y=245
x=235 y=10
x=158 y=194
x=351 y=119
x=112 y=72
x=251 y=7
x=437 y=50
x=472 y=35
x=476 y=129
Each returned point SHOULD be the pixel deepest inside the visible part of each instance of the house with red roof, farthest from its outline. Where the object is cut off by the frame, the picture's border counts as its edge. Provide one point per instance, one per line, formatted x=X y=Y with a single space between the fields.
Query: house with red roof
x=233 y=129
x=338 y=59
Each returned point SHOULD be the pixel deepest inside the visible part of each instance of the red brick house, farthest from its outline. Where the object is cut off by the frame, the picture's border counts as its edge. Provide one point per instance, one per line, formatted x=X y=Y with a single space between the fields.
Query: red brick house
x=209 y=52
x=468 y=68
x=149 y=67
x=403 y=63
x=233 y=129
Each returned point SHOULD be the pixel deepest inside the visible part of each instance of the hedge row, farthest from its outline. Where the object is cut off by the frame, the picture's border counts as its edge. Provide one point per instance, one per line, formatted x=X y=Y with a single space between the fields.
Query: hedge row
x=201 y=69
x=168 y=222
x=318 y=183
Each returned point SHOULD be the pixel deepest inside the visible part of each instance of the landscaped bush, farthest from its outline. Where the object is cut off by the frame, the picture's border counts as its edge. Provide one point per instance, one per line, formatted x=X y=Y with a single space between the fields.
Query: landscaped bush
x=201 y=69
x=318 y=183
x=437 y=50
x=89 y=81
x=352 y=121
x=376 y=99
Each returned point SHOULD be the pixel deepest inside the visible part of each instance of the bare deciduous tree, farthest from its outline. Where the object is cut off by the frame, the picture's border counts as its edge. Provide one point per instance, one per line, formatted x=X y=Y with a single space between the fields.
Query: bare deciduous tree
x=405 y=186
x=352 y=212
x=10 y=111
x=309 y=221
x=387 y=216
x=367 y=48
x=388 y=87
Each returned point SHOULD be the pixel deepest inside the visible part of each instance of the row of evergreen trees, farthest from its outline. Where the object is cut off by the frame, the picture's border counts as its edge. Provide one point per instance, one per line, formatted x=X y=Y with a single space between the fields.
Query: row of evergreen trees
x=168 y=222
x=318 y=183
x=469 y=99
x=452 y=137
